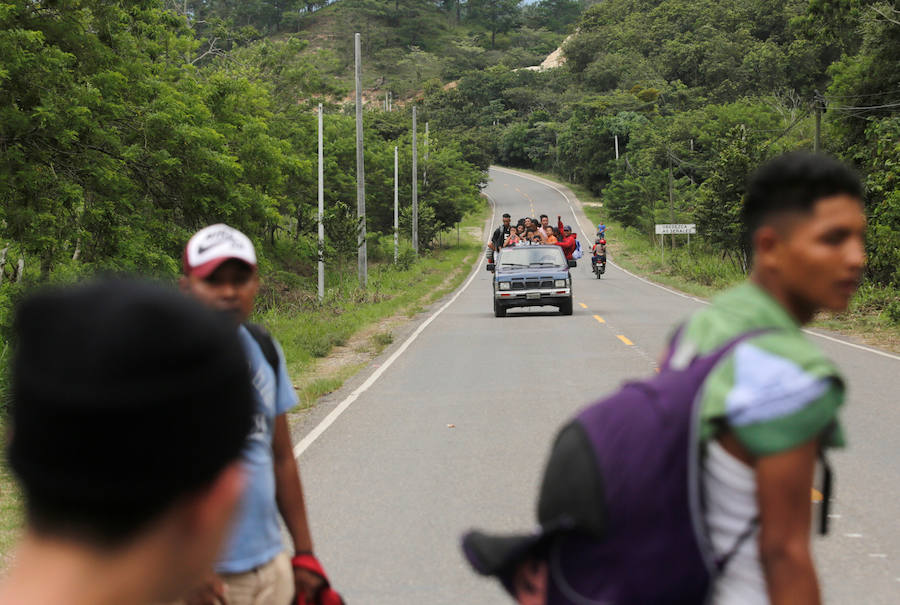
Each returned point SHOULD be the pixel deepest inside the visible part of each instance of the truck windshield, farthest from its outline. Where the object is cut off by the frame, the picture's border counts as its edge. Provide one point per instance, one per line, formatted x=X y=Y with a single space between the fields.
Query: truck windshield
x=528 y=255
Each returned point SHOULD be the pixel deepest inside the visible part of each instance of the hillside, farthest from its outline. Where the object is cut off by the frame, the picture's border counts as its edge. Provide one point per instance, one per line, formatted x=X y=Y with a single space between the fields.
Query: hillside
x=408 y=43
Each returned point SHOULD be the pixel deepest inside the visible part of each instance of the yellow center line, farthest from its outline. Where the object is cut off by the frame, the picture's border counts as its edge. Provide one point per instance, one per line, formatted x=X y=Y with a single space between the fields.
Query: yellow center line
x=817 y=495
x=623 y=339
x=598 y=318
x=583 y=306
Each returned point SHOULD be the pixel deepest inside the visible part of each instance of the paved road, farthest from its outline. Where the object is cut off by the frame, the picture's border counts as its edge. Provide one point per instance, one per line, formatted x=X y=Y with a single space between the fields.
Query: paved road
x=454 y=433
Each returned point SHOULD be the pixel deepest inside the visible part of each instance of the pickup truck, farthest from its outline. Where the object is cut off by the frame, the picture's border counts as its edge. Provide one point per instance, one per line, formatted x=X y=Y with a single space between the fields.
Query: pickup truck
x=531 y=276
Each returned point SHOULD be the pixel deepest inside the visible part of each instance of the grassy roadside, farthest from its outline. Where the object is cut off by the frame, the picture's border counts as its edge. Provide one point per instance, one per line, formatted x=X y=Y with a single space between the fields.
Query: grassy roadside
x=10 y=509
x=873 y=316
x=326 y=343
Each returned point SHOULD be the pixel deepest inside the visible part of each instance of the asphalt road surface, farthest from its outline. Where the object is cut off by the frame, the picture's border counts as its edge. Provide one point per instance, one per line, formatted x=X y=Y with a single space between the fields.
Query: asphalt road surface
x=450 y=430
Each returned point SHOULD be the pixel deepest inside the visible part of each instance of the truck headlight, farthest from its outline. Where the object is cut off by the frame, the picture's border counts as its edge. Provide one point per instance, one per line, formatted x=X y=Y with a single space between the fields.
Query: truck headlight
x=561 y=283
x=504 y=285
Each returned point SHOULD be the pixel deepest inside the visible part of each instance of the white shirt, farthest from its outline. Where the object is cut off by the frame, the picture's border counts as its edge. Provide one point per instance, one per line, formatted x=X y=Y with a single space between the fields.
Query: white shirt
x=730 y=487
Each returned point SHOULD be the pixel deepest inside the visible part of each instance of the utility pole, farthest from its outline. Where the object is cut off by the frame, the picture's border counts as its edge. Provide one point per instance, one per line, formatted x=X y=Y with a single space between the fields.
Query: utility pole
x=321 y=212
x=819 y=104
x=360 y=175
x=425 y=168
x=617 y=146
x=396 y=209
x=415 y=187
x=671 y=196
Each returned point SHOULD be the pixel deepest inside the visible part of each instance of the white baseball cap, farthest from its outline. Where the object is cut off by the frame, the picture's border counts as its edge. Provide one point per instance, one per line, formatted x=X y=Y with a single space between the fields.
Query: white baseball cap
x=212 y=246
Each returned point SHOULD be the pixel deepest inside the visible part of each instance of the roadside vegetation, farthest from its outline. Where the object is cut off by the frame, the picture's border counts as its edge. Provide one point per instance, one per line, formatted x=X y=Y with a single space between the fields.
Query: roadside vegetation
x=360 y=321
x=697 y=270
x=695 y=95
x=127 y=126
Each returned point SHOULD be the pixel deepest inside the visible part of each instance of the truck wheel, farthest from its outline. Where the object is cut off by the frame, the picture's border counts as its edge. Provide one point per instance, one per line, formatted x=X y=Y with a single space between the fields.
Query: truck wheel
x=499 y=310
x=566 y=307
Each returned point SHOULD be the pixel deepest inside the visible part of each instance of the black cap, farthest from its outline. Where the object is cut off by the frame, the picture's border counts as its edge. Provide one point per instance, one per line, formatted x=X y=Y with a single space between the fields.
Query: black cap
x=125 y=395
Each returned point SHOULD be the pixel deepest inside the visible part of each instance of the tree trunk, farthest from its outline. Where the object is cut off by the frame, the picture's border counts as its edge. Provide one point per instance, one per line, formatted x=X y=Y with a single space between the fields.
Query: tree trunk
x=20 y=269
x=3 y=254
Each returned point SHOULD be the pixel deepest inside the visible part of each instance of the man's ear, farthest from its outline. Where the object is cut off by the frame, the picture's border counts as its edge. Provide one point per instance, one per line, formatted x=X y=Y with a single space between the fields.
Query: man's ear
x=766 y=243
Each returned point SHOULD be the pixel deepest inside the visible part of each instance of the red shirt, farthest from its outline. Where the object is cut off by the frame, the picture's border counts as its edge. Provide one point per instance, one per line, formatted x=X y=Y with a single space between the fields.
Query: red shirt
x=567 y=243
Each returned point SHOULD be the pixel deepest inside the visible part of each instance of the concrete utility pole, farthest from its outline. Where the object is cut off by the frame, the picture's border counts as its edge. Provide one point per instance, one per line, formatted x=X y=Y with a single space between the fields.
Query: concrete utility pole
x=415 y=187
x=819 y=103
x=360 y=175
x=396 y=206
x=425 y=168
x=321 y=212
x=671 y=196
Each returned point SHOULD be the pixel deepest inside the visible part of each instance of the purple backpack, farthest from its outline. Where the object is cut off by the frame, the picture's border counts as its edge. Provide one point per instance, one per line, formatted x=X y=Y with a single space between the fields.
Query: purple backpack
x=620 y=504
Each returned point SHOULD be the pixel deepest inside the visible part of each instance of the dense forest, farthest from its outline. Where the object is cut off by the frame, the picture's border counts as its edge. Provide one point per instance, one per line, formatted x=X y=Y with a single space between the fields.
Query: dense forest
x=124 y=126
x=698 y=93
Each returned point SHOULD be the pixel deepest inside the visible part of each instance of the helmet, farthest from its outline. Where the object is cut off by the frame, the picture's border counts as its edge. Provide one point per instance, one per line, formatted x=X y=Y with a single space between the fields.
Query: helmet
x=603 y=241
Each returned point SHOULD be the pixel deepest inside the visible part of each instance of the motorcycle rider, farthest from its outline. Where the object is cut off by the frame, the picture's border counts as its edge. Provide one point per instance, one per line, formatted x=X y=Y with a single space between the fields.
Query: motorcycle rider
x=598 y=254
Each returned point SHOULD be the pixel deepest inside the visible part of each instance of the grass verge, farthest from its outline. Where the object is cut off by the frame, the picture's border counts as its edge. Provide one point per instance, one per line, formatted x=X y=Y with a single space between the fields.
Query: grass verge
x=873 y=316
x=327 y=342
x=10 y=509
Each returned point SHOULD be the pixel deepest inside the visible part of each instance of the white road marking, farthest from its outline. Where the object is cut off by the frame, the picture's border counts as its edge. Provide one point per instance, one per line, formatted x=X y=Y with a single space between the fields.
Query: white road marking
x=834 y=516
x=320 y=428
x=878 y=555
x=669 y=290
x=853 y=535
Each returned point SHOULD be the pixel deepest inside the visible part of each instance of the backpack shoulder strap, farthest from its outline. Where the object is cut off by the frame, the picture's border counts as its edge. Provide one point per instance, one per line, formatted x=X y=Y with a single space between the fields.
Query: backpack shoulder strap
x=265 y=342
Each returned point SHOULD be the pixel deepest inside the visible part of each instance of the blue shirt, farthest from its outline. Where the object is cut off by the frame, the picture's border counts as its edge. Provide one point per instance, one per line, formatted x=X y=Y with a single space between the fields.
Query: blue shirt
x=256 y=534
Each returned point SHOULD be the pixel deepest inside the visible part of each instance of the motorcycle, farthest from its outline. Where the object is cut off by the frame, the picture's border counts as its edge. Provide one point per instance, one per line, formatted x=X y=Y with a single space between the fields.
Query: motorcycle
x=598 y=265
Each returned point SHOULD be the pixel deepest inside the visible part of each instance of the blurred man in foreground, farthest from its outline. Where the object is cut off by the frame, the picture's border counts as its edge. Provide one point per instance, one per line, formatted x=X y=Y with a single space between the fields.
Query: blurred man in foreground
x=130 y=408
x=220 y=271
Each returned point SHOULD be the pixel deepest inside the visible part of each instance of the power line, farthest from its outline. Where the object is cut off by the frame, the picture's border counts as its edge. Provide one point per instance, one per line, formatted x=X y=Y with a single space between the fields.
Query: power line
x=861 y=96
x=866 y=108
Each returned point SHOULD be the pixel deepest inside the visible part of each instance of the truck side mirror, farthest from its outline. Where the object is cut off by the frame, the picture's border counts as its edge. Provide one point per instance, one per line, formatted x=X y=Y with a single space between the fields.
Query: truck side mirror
x=490 y=267
x=573 y=262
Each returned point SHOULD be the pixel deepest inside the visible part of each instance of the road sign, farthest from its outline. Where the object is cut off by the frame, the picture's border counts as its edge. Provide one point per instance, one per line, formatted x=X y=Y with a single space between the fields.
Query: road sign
x=667 y=228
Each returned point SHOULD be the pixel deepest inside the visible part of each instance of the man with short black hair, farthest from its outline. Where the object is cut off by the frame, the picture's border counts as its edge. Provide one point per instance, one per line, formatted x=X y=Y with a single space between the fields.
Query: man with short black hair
x=772 y=404
x=501 y=233
x=220 y=270
x=130 y=407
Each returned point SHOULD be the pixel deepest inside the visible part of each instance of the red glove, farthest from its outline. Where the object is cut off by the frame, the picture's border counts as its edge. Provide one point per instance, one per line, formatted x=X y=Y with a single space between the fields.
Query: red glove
x=325 y=595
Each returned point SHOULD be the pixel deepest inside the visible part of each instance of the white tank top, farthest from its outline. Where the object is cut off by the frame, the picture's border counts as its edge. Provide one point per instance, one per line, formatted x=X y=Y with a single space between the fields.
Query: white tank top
x=730 y=487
